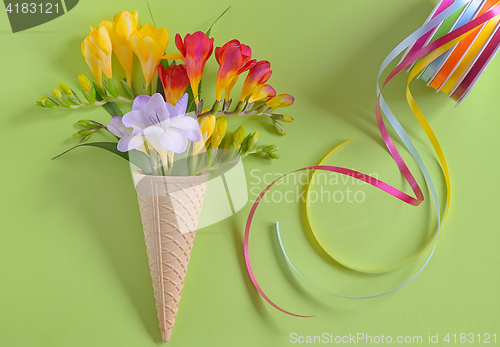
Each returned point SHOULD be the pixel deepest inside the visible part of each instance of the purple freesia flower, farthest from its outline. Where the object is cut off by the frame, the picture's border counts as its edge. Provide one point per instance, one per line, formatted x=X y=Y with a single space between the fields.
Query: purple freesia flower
x=164 y=126
x=117 y=128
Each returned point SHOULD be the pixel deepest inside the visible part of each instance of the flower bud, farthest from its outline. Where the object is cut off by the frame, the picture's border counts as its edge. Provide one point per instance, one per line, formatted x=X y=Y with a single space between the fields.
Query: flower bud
x=239 y=107
x=273 y=155
x=252 y=140
x=90 y=95
x=85 y=132
x=270 y=148
x=227 y=142
x=207 y=125
x=282 y=100
x=85 y=83
x=48 y=103
x=57 y=93
x=41 y=102
x=239 y=136
x=219 y=132
x=68 y=96
x=89 y=124
x=61 y=99
x=86 y=138
x=65 y=89
x=287 y=118
x=263 y=93
x=216 y=107
x=279 y=128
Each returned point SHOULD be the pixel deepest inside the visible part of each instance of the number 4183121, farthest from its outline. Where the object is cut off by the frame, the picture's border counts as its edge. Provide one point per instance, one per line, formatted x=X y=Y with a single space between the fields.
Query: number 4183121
x=33 y=8
x=471 y=338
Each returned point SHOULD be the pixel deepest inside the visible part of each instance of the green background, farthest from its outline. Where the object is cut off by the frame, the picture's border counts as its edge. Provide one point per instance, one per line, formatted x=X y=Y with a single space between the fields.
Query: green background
x=73 y=265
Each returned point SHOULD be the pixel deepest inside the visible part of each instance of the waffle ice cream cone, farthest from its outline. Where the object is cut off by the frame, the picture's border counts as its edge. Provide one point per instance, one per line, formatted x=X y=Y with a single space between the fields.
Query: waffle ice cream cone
x=170 y=208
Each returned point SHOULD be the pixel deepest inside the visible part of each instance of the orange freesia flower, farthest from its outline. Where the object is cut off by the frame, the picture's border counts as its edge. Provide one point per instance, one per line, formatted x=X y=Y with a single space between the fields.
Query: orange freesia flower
x=149 y=45
x=96 y=50
x=120 y=29
x=234 y=58
x=263 y=93
x=258 y=75
x=174 y=80
x=282 y=100
x=195 y=50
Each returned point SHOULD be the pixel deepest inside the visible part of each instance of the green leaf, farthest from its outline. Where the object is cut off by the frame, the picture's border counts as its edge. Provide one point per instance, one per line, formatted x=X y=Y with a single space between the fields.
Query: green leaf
x=141 y=160
x=110 y=86
x=210 y=29
x=159 y=85
x=138 y=158
x=159 y=88
x=191 y=105
x=112 y=109
x=151 y=13
x=101 y=94
x=127 y=89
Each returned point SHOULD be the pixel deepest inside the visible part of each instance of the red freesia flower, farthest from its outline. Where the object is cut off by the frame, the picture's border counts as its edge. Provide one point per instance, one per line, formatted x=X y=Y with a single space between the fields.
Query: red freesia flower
x=195 y=51
x=234 y=58
x=175 y=81
x=258 y=75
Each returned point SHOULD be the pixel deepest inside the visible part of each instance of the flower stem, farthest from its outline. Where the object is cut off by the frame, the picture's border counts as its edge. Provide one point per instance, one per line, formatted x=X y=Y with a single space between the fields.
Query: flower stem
x=154 y=165
x=97 y=103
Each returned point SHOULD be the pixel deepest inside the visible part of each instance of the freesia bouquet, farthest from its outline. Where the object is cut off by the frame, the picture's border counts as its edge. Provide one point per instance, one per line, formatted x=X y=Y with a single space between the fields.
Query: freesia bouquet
x=167 y=121
x=167 y=133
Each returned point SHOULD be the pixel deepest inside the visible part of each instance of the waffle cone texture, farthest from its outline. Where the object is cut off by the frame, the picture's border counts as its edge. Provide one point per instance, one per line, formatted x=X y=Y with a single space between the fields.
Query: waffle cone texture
x=170 y=209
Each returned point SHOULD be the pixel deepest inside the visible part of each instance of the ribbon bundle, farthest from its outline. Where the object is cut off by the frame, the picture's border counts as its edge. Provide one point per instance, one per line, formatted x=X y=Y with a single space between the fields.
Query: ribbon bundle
x=457 y=70
x=450 y=51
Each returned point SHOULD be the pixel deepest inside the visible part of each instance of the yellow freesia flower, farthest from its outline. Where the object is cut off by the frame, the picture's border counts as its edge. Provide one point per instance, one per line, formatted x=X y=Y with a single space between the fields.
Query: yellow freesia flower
x=207 y=126
x=120 y=29
x=149 y=45
x=219 y=131
x=96 y=50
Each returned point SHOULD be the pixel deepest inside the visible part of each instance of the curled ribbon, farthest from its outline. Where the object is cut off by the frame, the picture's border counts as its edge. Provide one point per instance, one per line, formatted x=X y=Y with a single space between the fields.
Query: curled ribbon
x=426 y=53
